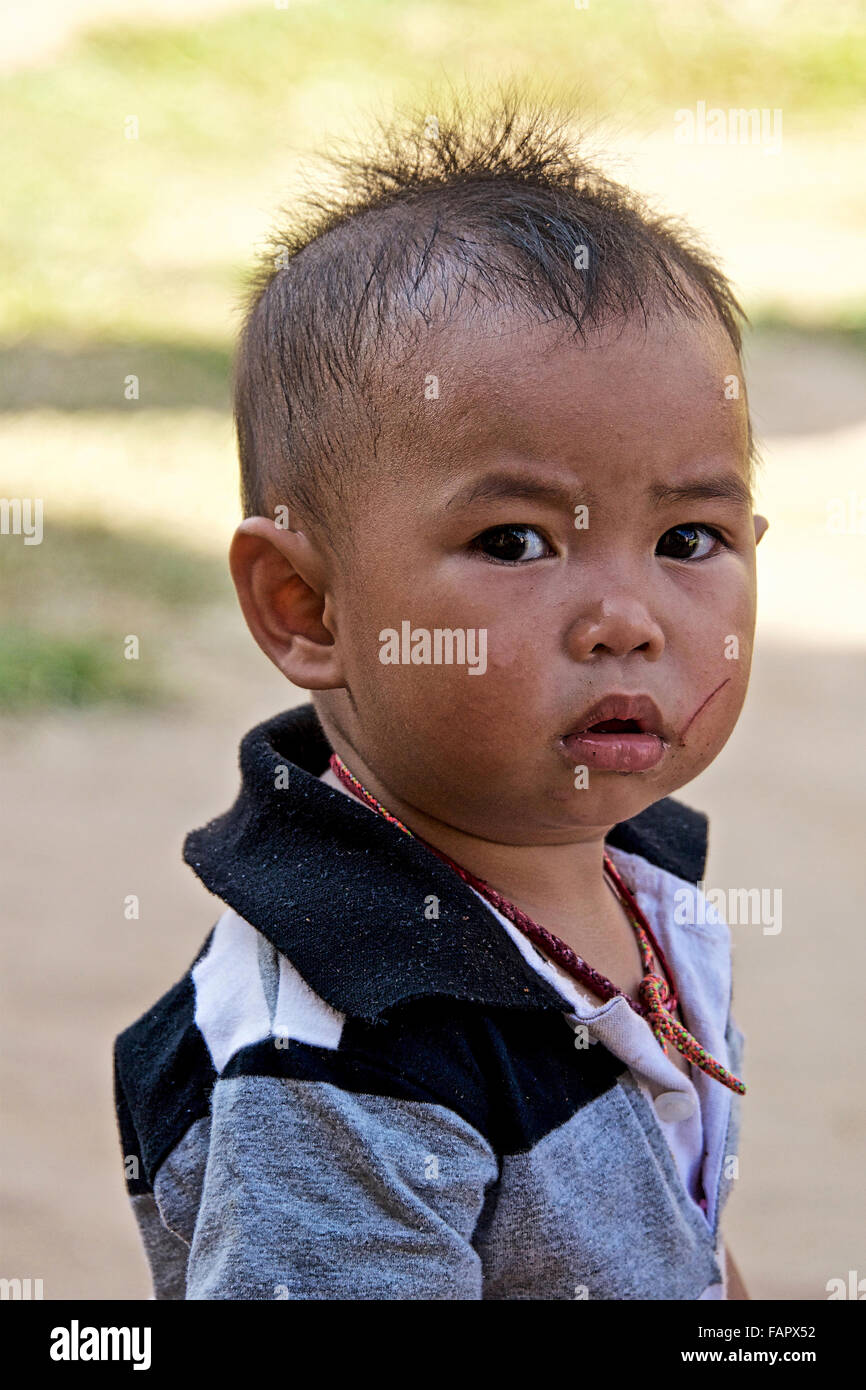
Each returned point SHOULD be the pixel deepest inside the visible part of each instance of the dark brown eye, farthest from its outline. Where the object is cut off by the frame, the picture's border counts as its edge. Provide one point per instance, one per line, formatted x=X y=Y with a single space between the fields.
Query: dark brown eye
x=509 y=544
x=685 y=542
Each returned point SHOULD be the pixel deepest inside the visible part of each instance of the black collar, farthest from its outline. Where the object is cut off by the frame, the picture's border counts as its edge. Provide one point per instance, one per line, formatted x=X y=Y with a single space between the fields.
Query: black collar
x=342 y=893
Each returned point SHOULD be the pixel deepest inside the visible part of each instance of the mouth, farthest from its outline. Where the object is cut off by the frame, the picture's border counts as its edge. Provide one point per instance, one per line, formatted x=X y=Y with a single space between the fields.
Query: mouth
x=614 y=726
x=621 y=733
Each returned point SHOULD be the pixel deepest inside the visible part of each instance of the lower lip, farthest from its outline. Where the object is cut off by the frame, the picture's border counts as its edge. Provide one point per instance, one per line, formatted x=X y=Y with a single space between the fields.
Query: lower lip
x=615 y=752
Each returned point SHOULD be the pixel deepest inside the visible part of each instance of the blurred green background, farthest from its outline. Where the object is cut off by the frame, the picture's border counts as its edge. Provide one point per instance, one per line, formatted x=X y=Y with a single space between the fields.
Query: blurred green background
x=126 y=257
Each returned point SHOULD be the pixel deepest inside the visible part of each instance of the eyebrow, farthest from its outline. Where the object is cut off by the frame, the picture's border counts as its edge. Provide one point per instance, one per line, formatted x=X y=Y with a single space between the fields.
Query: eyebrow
x=729 y=486
x=492 y=487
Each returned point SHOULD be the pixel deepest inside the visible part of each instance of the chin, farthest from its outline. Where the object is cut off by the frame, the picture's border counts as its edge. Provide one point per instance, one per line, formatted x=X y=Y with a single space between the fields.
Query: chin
x=619 y=797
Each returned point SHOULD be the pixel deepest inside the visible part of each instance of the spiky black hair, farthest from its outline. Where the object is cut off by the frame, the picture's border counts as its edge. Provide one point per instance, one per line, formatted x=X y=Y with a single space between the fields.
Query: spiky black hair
x=489 y=206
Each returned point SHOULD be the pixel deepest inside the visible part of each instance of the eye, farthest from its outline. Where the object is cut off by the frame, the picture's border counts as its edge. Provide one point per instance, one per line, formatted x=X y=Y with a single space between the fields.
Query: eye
x=508 y=544
x=686 y=543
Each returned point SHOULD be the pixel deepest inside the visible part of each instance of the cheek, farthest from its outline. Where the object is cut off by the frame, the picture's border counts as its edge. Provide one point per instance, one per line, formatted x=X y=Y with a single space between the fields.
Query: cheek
x=720 y=685
x=496 y=642
x=472 y=709
x=718 y=657
x=737 y=637
x=720 y=622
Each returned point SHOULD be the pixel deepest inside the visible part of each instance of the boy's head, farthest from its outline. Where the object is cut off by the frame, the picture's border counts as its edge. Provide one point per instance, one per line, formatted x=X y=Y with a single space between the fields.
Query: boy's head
x=490 y=409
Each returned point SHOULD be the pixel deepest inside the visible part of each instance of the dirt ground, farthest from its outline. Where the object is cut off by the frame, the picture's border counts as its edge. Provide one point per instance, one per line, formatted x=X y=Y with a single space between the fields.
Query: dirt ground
x=95 y=807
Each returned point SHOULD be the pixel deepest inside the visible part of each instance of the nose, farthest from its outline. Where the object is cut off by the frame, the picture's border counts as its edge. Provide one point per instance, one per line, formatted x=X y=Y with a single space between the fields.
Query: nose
x=615 y=626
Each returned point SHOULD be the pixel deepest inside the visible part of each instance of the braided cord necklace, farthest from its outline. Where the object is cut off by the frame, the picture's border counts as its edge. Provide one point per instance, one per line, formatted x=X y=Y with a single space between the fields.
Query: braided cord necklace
x=657 y=997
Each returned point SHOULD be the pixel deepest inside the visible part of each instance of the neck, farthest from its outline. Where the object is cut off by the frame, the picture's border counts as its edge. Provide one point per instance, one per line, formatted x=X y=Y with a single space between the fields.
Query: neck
x=563 y=887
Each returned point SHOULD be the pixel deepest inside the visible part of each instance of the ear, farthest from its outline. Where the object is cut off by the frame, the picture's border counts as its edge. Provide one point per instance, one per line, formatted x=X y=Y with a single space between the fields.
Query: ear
x=282 y=580
x=761 y=524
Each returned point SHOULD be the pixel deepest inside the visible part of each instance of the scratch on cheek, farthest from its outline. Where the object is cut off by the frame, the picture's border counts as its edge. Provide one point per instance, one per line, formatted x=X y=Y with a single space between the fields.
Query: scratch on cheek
x=701 y=706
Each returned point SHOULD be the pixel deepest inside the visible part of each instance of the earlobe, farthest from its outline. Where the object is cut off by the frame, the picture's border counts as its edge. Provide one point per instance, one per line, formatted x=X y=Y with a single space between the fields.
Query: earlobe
x=761 y=525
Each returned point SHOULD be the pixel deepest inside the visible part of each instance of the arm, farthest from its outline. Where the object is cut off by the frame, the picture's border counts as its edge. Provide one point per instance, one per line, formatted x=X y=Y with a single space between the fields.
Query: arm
x=314 y=1191
x=736 y=1287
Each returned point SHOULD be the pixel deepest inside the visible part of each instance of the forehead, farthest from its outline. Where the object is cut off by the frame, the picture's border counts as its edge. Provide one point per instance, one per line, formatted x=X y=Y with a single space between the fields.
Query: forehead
x=636 y=400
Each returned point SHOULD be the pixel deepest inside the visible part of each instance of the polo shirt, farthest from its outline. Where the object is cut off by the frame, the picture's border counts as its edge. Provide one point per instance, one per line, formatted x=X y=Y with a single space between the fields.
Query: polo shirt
x=366 y=1086
x=683 y=1104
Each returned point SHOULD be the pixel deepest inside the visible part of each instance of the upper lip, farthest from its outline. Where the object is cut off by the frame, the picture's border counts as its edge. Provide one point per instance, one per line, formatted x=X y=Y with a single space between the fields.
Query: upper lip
x=642 y=709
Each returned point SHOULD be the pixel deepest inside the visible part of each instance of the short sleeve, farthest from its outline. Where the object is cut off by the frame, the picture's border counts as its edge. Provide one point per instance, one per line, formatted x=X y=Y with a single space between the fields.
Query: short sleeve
x=313 y=1191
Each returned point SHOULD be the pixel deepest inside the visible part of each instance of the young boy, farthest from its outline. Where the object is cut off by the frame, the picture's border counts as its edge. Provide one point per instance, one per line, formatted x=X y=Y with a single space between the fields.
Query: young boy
x=463 y=1028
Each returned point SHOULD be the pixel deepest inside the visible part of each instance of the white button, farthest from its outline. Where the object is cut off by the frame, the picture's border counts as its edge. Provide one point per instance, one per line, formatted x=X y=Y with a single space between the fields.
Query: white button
x=674 y=1105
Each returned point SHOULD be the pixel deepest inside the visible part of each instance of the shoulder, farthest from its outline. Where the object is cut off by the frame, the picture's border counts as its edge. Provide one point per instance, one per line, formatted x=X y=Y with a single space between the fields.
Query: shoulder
x=243 y=1013
x=244 y=1017
x=163 y=1078
x=670 y=835
x=696 y=943
x=671 y=901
